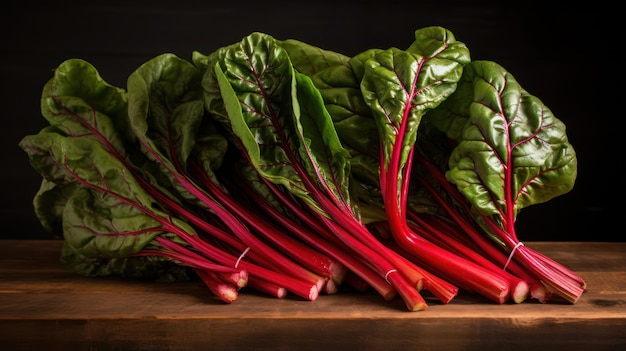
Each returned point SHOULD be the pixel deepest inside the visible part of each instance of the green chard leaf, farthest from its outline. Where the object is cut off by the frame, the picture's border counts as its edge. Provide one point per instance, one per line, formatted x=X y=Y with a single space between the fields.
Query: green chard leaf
x=401 y=86
x=104 y=239
x=278 y=117
x=109 y=215
x=48 y=203
x=165 y=105
x=113 y=190
x=333 y=75
x=89 y=179
x=512 y=151
x=309 y=59
x=77 y=100
x=167 y=115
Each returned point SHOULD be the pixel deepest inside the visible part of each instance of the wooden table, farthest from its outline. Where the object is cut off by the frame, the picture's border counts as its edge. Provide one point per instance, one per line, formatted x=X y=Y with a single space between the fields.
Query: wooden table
x=43 y=306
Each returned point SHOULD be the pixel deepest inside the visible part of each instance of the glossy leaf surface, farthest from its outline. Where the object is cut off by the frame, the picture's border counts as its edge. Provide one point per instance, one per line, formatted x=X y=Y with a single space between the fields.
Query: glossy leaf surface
x=512 y=151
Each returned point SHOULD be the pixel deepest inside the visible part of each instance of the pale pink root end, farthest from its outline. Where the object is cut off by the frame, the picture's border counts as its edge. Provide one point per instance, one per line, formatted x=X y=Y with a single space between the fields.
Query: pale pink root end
x=520 y=292
x=227 y=293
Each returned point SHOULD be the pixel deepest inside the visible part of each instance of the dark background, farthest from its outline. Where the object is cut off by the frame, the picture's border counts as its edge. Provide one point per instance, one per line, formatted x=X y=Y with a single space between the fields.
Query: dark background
x=568 y=56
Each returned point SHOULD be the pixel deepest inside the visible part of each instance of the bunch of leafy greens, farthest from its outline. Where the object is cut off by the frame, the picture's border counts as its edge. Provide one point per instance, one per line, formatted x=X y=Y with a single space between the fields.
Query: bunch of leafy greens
x=282 y=167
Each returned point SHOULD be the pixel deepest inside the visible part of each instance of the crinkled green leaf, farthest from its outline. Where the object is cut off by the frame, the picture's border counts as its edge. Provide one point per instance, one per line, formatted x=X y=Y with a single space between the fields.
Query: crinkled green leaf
x=333 y=76
x=37 y=147
x=104 y=226
x=109 y=215
x=78 y=101
x=257 y=98
x=49 y=203
x=440 y=43
x=401 y=86
x=325 y=158
x=512 y=151
x=357 y=62
x=210 y=150
x=165 y=105
x=166 y=111
x=89 y=192
x=309 y=59
x=279 y=117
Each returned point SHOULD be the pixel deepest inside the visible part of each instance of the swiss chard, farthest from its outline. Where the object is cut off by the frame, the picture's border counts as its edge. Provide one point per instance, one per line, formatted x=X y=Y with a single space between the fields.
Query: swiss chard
x=400 y=87
x=509 y=152
x=279 y=121
x=114 y=208
x=400 y=170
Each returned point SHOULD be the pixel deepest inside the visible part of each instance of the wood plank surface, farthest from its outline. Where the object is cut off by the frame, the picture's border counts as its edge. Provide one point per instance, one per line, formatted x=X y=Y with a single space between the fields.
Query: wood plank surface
x=43 y=306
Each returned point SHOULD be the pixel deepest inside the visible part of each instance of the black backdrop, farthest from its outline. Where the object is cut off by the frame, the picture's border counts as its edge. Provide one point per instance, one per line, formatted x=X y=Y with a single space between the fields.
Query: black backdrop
x=566 y=56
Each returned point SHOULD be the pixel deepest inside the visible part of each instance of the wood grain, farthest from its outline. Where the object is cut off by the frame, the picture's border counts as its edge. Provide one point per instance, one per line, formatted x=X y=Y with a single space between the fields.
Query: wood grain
x=44 y=306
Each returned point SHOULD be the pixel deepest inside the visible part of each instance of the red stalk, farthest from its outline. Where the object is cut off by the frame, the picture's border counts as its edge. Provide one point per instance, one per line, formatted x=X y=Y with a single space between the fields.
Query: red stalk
x=356 y=282
x=555 y=277
x=233 y=223
x=238 y=279
x=266 y=287
x=338 y=250
x=235 y=242
x=295 y=285
x=307 y=255
x=225 y=291
x=275 y=259
x=519 y=287
x=349 y=224
x=353 y=232
x=298 y=286
x=376 y=261
x=409 y=293
x=471 y=238
x=456 y=269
